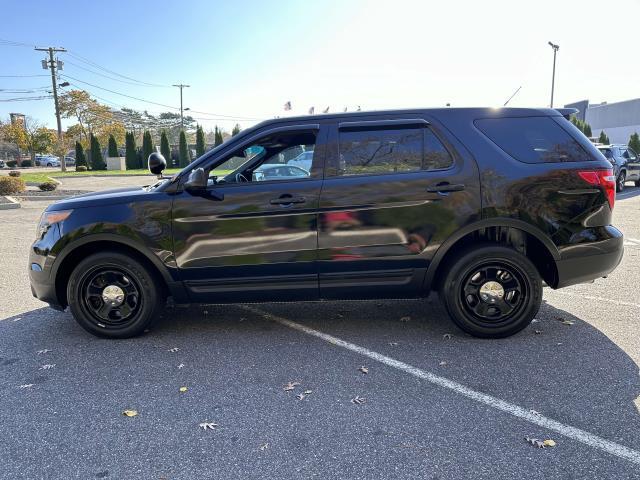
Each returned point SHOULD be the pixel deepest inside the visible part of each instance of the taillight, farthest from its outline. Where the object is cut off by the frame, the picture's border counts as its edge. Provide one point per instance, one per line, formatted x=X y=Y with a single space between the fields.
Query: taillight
x=605 y=178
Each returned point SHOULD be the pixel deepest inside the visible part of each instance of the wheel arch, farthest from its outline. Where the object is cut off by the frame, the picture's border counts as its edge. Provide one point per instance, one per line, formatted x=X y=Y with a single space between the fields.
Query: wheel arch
x=515 y=233
x=73 y=253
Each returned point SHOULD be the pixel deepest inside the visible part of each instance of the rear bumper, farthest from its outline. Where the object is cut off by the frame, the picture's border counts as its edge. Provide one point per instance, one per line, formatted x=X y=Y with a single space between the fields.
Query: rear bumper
x=588 y=261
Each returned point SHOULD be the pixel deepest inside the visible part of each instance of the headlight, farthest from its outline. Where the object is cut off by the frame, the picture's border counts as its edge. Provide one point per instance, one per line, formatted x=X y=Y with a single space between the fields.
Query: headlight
x=51 y=218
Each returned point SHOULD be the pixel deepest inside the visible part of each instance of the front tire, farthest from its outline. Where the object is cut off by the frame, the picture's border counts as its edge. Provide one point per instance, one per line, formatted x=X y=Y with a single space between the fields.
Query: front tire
x=620 y=182
x=491 y=291
x=113 y=295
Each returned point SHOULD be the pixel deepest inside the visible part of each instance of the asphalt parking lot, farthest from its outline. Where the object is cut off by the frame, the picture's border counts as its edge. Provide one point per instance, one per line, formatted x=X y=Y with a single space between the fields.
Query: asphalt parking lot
x=434 y=403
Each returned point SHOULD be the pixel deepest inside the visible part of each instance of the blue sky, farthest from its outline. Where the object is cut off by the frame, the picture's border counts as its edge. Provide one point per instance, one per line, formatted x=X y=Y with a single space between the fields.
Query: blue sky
x=247 y=58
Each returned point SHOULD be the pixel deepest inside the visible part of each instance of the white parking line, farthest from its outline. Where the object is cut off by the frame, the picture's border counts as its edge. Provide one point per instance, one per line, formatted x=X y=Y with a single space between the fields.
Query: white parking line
x=566 y=430
x=598 y=299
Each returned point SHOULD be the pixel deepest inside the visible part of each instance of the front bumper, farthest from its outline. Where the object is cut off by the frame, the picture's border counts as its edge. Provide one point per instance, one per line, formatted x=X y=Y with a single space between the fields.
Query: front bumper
x=587 y=261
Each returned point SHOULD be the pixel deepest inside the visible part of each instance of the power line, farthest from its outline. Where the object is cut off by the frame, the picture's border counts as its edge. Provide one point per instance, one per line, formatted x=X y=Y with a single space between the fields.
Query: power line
x=94 y=64
x=107 y=76
x=22 y=76
x=12 y=43
x=25 y=99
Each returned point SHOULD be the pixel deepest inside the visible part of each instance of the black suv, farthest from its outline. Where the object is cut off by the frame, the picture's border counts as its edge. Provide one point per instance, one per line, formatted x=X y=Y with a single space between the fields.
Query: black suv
x=626 y=164
x=482 y=204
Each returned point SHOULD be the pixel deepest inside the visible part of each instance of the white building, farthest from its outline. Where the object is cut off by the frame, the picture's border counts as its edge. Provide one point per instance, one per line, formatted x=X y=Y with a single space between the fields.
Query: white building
x=618 y=120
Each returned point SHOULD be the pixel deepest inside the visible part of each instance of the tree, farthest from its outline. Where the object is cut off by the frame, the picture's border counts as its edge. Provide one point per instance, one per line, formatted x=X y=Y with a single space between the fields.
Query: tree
x=113 y=147
x=184 y=150
x=199 y=141
x=634 y=142
x=147 y=147
x=603 y=138
x=92 y=117
x=217 y=136
x=165 y=150
x=31 y=136
x=236 y=130
x=97 y=162
x=130 y=156
x=587 y=130
x=81 y=160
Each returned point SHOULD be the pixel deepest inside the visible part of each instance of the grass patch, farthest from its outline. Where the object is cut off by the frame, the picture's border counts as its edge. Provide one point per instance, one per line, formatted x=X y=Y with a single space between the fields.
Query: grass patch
x=41 y=177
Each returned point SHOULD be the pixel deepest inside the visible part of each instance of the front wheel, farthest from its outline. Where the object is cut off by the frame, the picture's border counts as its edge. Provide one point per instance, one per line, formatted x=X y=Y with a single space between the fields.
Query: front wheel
x=113 y=295
x=620 y=182
x=491 y=291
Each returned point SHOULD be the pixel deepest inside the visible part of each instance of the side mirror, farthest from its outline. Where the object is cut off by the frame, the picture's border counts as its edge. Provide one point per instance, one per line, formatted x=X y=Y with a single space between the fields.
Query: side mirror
x=156 y=163
x=197 y=180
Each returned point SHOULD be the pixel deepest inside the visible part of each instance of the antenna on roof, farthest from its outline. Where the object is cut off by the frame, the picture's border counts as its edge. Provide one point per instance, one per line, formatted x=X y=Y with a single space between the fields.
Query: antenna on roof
x=514 y=94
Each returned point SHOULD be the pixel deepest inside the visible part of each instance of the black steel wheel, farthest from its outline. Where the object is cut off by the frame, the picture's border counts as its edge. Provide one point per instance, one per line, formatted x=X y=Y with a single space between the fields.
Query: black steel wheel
x=491 y=291
x=113 y=295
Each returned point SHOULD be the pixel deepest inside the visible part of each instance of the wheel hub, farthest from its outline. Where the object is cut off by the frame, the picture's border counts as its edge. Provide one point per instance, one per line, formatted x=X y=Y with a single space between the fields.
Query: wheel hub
x=113 y=295
x=491 y=292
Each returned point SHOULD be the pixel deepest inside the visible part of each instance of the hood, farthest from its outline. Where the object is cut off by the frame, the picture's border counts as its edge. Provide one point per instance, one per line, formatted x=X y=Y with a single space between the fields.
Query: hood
x=103 y=197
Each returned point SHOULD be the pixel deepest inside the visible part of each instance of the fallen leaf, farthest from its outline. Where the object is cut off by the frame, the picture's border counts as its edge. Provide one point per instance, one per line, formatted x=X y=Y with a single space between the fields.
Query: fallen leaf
x=183 y=389
x=130 y=413
x=537 y=332
x=535 y=320
x=549 y=443
x=405 y=319
x=17 y=319
x=559 y=343
x=47 y=366
x=208 y=425
x=263 y=447
x=442 y=364
x=364 y=369
x=393 y=344
x=290 y=386
x=358 y=400
x=26 y=385
x=308 y=392
x=447 y=336
x=173 y=350
x=180 y=366
x=46 y=350
x=535 y=412
x=567 y=322
x=300 y=396
x=535 y=442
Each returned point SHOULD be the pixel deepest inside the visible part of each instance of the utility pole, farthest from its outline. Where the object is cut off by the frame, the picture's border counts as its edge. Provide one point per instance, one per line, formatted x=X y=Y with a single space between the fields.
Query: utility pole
x=553 y=75
x=181 y=86
x=51 y=64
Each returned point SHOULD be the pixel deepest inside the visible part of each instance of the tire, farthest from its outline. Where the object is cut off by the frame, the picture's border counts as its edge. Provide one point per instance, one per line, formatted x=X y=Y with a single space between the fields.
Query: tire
x=469 y=289
x=136 y=301
x=620 y=182
x=637 y=183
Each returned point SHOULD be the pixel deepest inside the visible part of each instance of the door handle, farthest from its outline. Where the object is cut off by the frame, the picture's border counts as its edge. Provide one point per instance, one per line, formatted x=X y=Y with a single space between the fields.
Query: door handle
x=287 y=199
x=445 y=187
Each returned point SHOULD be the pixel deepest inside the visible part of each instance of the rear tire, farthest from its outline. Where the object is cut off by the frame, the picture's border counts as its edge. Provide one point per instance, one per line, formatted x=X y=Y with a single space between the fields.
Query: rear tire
x=491 y=291
x=113 y=295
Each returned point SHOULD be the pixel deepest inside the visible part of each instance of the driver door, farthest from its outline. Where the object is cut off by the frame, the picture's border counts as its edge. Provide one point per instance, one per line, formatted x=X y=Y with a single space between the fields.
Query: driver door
x=252 y=234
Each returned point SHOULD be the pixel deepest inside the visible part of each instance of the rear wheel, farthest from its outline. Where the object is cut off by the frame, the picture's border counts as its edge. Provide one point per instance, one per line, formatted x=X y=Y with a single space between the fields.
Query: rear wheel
x=620 y=182
x=113 y=295
x=491 y=291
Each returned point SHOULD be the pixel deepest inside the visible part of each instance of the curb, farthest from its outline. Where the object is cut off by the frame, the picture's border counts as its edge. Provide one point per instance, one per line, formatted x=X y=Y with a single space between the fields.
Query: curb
x=13 y=203
x=38 y=198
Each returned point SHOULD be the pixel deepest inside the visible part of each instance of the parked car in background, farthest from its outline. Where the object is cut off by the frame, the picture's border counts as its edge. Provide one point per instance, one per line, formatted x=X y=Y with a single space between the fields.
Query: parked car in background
x=626 y=164
x=303 y=160
x=47 y=161
x=69 y=161
x=480 y=204
x=1 y=163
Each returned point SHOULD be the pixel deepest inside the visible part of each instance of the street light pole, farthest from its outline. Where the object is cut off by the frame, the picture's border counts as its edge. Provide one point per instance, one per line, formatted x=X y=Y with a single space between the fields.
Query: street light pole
x=181 y=86
x=52 y=66
x=553 y=75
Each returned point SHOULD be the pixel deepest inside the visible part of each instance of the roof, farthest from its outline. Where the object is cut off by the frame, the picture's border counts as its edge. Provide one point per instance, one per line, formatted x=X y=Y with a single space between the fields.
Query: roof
x=478 y=112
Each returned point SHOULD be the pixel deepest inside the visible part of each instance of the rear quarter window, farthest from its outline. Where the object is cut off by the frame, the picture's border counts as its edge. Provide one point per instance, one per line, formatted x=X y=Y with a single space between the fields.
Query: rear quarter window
x=533 y=139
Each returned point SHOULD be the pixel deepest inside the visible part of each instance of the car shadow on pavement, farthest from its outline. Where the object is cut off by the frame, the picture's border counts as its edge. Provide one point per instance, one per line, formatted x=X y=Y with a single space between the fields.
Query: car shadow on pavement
x=559 y=366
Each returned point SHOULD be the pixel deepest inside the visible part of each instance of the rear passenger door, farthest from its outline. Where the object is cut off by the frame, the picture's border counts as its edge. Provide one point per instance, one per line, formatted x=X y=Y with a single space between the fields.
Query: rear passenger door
x=395 y=188
x=633 y=163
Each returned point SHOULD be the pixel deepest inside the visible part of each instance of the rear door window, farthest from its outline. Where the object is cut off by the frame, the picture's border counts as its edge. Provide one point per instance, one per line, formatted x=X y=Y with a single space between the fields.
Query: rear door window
x=382 y=151
x=532 y=139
